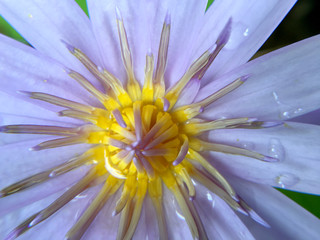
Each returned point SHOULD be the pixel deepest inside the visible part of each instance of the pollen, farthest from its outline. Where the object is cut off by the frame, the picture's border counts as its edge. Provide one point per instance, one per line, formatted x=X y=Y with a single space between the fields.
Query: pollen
x=141 y=142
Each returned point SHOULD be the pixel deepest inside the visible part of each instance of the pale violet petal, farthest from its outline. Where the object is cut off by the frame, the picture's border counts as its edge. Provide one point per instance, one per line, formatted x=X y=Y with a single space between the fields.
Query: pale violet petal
x=252 y=23
x=287 y=219
x=143 y=21
x=281 y=85
x=45 y=23
x=189 y=93
x=296 y=145
x=23 y=163
x=219 y=220
x=176 y=223
x=58 y=224
x=311 y=118
x=147 y=227
x=23 y=68
x=104 y=224
x=28 y=196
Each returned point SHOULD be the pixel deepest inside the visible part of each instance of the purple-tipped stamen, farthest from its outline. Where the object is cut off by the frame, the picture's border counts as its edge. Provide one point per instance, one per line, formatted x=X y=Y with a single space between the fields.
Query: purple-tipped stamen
x=118 y=116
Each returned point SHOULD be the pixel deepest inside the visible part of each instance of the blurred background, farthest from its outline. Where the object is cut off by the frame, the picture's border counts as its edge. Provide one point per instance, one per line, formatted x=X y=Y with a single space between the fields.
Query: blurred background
x=301 y=22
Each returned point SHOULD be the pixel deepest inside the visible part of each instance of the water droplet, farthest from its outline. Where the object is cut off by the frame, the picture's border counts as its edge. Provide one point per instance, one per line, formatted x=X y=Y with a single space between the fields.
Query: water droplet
x=238 y=35
x=209 y=197
x=246 y=32
x=287 y=111
x=276 y=149
x=247 y=145
x=292 y=112
x=285 y=180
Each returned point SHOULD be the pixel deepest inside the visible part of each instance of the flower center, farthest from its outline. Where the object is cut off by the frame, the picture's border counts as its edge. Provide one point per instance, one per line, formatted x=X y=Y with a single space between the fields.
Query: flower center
x=141 y=138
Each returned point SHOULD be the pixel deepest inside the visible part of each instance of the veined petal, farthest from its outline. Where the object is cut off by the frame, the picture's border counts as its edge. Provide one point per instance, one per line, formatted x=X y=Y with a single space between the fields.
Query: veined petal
x=105 y=224
x=252 y=23
x=295 y=145
x=61 y=221
x=144 y=30
x=219 y=220
x=103 y=18
x=24 y=163
x=147 y=221
x=174 y=217
x=45 y=24
x=281 y=85
x=182 y=38
x=27 y=110
x=28 y=196
x=25 y=69
x=287 y=219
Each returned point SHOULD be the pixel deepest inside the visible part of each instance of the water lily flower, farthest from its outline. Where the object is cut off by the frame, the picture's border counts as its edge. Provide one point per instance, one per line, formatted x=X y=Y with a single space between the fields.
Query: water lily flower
x=147 y=121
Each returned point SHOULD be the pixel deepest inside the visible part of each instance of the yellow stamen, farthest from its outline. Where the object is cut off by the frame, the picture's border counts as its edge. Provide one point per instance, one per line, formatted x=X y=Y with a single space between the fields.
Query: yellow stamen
x=155 y=193
x=195 y=128
x=185 y=113
x=214 y=172
x=173 y=94
x=147 y=91
x=162 y=59
x=133 y=86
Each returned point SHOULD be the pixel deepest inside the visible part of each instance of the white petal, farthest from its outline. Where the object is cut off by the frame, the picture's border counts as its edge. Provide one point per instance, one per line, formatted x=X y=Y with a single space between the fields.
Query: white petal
x=287 y=219
x=281 y=85
x=296 y=145
x=252 y=23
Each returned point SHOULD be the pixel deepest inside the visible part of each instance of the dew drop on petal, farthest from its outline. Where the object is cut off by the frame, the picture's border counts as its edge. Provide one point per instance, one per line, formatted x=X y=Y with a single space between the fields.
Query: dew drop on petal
x=285 y=180
x=246 y=32
x=239 y=33
x=293 y=112
x=276 y=149
x=247 y=145
x=286 y=111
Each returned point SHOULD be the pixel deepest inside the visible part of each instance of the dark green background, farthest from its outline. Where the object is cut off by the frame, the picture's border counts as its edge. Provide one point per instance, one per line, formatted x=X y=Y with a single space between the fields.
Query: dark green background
x=300 y=23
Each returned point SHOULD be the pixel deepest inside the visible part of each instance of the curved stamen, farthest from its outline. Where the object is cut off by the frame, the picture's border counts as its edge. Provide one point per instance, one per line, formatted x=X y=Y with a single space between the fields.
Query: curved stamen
x=118 y=116
x=133 y=86
x=162 y=58
x=60 y=101
x=183 y=151
x=146 y=165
